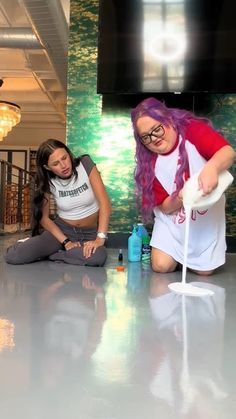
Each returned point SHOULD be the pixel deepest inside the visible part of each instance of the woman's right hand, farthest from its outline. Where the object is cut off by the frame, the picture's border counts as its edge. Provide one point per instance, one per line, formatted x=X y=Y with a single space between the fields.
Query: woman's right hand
x=170 y=205
x=71 y=245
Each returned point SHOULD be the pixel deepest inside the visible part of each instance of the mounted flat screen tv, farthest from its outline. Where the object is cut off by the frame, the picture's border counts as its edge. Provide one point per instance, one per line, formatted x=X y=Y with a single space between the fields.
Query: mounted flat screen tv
x=166 y=46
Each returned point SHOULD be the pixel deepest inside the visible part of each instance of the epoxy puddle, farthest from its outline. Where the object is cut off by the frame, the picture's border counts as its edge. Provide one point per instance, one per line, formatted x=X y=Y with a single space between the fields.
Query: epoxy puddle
x=183 y=287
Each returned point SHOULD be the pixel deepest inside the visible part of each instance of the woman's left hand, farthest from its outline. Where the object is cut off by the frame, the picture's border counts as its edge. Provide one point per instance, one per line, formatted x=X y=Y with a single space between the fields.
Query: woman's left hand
x=90 y=247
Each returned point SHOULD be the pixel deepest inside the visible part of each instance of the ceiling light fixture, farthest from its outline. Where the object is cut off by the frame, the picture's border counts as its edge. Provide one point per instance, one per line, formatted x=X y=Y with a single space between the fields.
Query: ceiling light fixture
x=10 y=115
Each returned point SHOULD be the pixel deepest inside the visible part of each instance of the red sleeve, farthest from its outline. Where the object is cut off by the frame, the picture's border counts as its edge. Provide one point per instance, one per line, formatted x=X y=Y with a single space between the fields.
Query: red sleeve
x=160 y=193
x=206 y=140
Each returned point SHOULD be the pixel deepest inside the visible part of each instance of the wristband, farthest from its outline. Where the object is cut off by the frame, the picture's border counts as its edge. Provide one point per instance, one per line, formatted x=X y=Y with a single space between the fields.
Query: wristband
x=65 y=241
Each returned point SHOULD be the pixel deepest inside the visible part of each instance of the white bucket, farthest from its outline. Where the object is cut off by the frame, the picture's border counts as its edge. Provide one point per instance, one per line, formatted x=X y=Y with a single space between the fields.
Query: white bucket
x=193 y=197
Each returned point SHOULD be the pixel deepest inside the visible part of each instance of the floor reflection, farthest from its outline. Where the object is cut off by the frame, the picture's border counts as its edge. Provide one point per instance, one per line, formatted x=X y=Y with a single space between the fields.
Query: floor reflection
x=96 y=343
x=189 y=333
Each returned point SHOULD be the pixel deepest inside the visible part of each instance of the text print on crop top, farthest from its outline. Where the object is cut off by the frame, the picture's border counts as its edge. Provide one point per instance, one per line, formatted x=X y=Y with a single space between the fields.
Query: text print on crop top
x=75 y=199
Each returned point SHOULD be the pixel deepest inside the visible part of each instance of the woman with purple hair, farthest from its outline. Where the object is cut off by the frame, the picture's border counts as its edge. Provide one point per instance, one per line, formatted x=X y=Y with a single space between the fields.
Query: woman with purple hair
x=172 y=145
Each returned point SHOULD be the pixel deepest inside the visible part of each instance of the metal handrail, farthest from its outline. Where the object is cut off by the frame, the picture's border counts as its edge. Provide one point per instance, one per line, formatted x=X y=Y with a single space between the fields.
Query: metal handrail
x=17 y=188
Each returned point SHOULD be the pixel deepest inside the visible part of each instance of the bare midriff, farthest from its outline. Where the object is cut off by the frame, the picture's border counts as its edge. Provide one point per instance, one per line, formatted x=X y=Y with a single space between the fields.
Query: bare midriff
x=88 y=222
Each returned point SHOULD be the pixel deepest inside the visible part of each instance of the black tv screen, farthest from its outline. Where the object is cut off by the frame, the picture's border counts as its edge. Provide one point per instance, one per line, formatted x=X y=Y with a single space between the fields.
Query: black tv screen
x=164 y=46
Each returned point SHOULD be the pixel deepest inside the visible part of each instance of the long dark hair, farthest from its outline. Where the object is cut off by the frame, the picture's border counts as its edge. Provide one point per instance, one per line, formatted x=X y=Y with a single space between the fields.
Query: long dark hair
x=145 y=159
x=43 y=178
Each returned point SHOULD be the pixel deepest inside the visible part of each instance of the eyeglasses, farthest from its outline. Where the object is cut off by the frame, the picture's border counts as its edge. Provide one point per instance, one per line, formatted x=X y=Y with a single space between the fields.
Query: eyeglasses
x=157 y=132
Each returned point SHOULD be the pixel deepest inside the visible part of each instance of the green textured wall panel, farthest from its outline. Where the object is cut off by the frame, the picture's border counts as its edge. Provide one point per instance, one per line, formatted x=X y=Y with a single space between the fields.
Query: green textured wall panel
x=107 y=137
x=223 y=115
x=106 y=133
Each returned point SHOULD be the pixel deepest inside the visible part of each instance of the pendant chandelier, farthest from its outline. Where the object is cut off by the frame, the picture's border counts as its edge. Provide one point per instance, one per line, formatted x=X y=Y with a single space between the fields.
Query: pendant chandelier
x=10 y=115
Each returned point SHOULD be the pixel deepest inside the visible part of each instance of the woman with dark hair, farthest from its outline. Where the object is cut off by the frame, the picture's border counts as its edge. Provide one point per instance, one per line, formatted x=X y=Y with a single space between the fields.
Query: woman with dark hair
x=172 y=145
x=77 y=235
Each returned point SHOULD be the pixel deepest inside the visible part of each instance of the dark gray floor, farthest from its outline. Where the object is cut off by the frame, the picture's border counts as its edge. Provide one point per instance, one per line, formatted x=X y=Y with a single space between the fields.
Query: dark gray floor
x=94 y=343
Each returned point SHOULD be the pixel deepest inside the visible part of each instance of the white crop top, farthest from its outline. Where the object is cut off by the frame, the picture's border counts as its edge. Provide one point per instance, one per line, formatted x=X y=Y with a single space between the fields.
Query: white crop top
x=75 y=198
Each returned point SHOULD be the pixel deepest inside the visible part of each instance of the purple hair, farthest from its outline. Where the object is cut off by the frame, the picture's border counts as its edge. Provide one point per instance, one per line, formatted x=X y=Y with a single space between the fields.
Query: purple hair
x=145 y=159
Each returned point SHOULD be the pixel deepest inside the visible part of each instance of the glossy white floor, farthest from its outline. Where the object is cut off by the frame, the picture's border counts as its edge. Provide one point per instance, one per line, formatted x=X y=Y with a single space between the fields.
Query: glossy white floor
x=94 y=343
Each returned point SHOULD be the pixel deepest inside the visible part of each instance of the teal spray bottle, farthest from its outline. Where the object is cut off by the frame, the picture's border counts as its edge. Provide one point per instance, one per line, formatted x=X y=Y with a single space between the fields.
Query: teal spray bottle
x=134 y=246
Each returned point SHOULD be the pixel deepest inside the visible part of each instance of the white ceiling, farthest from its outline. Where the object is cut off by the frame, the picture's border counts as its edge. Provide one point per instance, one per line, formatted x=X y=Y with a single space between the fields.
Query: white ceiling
x=33 y=59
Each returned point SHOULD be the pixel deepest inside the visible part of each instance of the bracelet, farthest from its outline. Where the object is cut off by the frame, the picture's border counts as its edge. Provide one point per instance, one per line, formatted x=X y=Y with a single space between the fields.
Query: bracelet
x=101 y=235
x=64 y=242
